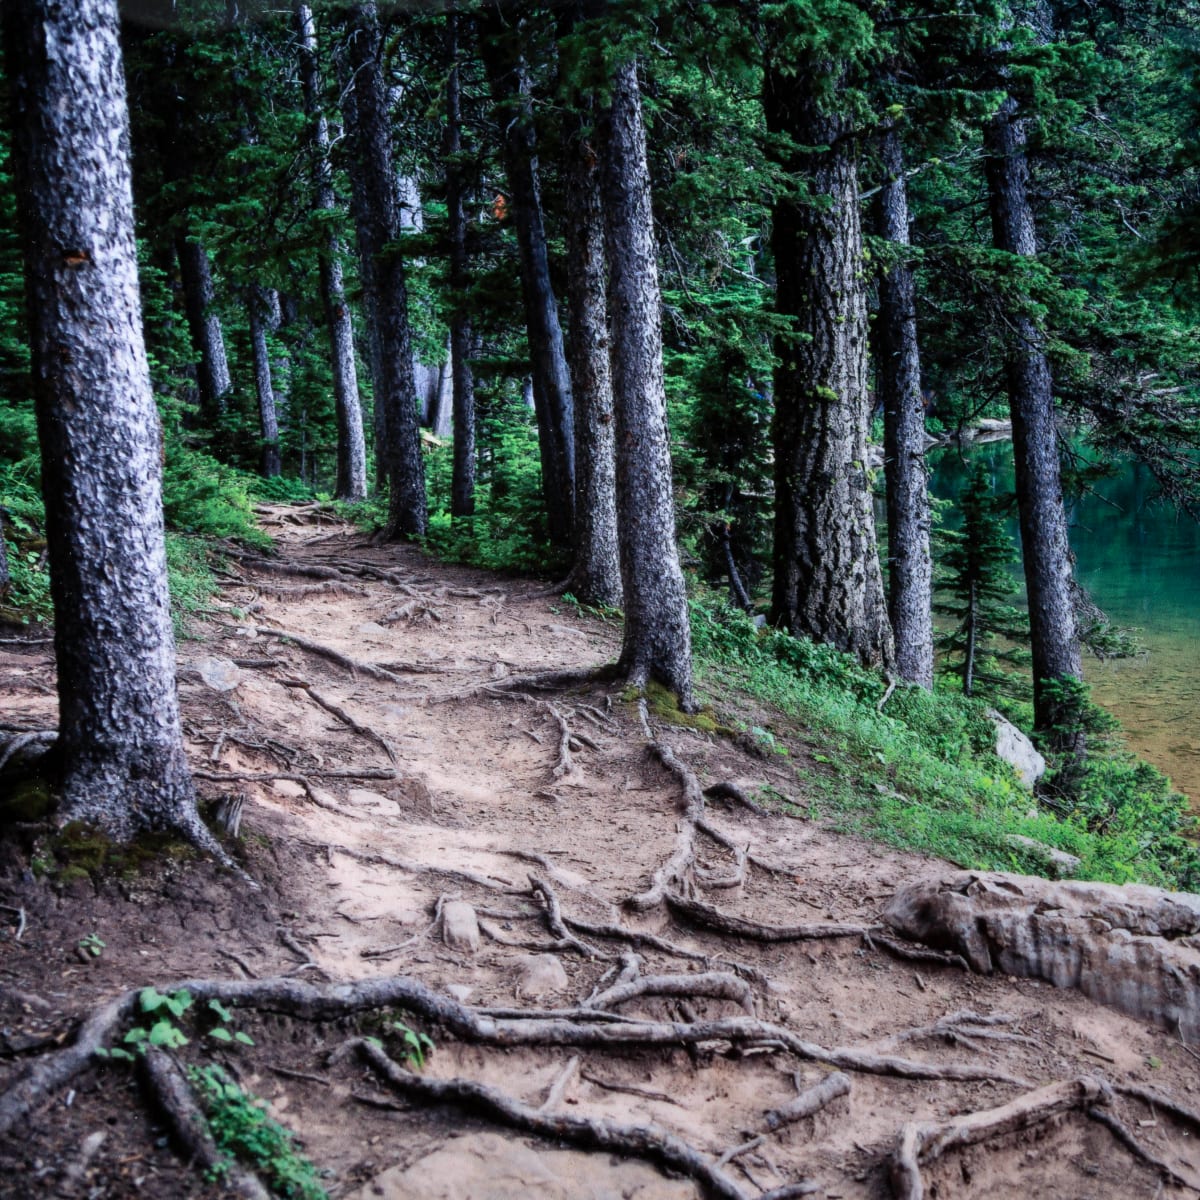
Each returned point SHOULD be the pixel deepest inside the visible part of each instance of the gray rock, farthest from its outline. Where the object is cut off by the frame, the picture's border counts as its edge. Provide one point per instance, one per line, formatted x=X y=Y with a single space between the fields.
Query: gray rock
x=1014 y=748
x=220 y=674
x=1061 y=864
x=541 y=974
x=460 y=926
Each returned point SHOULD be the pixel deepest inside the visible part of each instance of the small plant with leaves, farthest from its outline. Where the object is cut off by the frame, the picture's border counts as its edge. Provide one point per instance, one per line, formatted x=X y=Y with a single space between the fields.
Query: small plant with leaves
x=92 y=944
x=159 y=1013
x=243 y=1130
x=417 y=1046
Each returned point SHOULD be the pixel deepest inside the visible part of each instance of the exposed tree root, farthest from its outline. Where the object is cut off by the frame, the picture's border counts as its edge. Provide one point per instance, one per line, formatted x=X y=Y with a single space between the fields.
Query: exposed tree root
x=730 y=791
x=554 y=919
x=876 y=938
x=713 y=985
x=363 y=731
x=26 y=746
x=273 y=566
x=313 y=1001
x=169 y=1088
x=319 y=772
x=1157 y=1099
x=353 y=665
x=710 y=917
x=924 y=1142
x=305 y=591
x=642 y=1141
x=810 y=1101
x=542 y=681
x=1125 y=1136
x=966 y=1028
x=628 y=1089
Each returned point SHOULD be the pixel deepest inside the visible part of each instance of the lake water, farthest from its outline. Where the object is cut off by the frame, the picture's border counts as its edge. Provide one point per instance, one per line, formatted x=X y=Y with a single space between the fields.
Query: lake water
x=1140 y=562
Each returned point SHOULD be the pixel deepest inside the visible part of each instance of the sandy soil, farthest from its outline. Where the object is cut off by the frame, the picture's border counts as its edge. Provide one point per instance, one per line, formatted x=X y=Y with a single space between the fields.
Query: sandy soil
x=352 y=868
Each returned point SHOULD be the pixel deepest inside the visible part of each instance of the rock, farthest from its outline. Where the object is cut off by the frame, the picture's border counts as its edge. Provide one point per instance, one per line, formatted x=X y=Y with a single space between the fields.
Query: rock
x=1014 y=748
x=1061 y=864
x=1133 y=948
x=413 y=795
x=480 y=1165
x=287 y=787
x=460 y=926
x=221 y=674
x=325 y=797
x=373 y=631
x=462 y=992
x=372 y=801
x=540 y=974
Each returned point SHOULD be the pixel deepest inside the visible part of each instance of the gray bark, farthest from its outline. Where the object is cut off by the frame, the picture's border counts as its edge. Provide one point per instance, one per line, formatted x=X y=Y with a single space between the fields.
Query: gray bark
x=462 y=484
x=351 y=453
x=122 y=760
x=553 y=403
x=212 y=371
x=1045 y=552
x=828 y=583
x=378 y=213
x=263 y=312
x=657 y=642
x=910 y=593
x=596 y=573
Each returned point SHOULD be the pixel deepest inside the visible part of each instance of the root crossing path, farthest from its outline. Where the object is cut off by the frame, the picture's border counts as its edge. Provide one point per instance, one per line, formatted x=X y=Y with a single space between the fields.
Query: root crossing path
x=640 y=980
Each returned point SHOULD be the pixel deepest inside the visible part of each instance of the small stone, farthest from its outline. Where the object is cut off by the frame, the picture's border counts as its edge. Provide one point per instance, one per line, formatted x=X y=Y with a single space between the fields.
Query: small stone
x=540 y=975
x=221 y=674
x=323 y=796
x=373 y=630
x=460 y=991
x=287 y=787
x=460 y=927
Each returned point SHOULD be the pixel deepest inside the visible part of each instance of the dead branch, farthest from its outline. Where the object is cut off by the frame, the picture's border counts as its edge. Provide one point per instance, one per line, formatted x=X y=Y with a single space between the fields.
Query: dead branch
x=713 y=985
x=710 y=917
x=642 y=1141
x=810 y=1101
x=169 y=1087
x=923 y=1143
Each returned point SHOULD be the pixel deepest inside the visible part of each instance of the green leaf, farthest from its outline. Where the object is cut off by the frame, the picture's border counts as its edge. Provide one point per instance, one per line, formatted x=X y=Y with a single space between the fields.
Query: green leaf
x=244 y=1038
x=163 y=1033
x=220 y=1034
x=220 y=1010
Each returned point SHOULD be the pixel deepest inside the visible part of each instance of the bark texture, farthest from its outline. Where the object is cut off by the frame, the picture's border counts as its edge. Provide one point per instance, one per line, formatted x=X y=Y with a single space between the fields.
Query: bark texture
x=351 y=446
x=263 y=306
x=553 y=404
x=596 y=573
x=378 y=213
x=122 y=760
x=212 y=371
x=657 y=642
x=1045 y=552
x=910 y=578
x=462 y=483
x=828 y=582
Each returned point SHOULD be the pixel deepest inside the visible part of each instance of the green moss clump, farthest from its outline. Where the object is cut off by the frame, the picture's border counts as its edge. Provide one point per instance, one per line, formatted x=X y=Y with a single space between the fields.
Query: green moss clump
x=29 y=801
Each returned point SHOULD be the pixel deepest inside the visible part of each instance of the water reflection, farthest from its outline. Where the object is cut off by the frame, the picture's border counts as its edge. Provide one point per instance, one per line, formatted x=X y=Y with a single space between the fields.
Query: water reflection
x=1140 y=561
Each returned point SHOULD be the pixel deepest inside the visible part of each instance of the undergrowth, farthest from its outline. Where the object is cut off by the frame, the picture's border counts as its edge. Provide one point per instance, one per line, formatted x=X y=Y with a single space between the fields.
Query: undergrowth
x=923 y=775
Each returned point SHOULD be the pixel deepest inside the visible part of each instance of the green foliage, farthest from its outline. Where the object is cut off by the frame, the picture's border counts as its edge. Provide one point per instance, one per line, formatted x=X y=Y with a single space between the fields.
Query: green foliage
x=203 y=496
x=922 y=774
x=416 y=1046
x=242 y=1129
x=976 y=590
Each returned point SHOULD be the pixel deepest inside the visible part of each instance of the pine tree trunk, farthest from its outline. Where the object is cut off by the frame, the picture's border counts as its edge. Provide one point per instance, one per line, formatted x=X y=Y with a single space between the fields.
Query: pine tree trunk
x=374 y=175
x=596 y=573
x=828 y=583
x=263 y=306
x=910 y=594
x=212 y=371
x=657 y=642
x=122 y=761
x=462 y=483
x=1045 y=551
x=351 y=445
x=553 y=404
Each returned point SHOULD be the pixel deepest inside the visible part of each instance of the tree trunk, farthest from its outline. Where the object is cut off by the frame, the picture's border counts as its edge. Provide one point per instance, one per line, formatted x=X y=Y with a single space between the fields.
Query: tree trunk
x=501 y=53
x=910 y=595
x=263 y=306
x=351 y=449
x=596 y=573
x=657 y=643
x=462 y=484
x=374 y=175
x=122 y=761
x=212 y=371
x=1045 y=551
x=828 y=583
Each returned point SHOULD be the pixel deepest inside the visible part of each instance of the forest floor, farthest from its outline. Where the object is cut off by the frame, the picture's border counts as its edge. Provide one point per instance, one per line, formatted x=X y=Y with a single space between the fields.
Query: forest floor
x=371 y=802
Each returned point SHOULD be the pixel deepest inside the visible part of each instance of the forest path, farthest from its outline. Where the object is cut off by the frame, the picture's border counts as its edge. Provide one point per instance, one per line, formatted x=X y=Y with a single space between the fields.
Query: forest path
x=370 y=801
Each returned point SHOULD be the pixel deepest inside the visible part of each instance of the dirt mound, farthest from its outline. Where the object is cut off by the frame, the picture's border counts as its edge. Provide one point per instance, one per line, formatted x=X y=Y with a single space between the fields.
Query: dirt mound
x=391 y=734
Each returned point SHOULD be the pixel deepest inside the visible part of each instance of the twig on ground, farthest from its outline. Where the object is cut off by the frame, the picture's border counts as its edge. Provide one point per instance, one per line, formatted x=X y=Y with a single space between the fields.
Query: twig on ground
x=629 y=1089
x=558 y=1088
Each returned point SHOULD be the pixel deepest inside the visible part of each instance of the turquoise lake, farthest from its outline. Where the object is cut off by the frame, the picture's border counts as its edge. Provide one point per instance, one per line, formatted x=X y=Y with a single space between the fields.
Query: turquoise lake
x=1140 y=561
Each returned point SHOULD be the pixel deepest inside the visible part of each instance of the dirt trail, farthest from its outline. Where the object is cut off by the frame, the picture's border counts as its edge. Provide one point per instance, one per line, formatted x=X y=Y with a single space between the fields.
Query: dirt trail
x=354 y=869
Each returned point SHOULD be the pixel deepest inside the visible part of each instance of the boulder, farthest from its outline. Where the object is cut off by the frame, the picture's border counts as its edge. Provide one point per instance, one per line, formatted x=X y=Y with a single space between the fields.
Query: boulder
x=1132 y=948
x=1014 y=748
